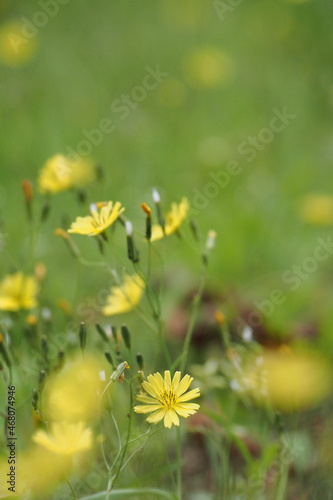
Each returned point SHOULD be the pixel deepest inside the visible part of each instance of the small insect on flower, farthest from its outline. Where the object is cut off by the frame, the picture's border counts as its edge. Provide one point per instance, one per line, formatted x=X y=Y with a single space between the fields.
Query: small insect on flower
x=18 y=291
x=125 y=297
x=65 y=438
x=167 y=398
x=173 y=220
x=98 y=221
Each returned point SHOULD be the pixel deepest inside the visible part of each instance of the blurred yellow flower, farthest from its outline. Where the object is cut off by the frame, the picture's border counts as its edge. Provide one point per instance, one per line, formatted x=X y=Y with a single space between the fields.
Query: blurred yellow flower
x=208 y=67
x=59 y=174
x=37 y=471
x=125 y=297
x=97 y=222
x=72 y=394
x=167 y=398
x=173 y=220
x=296 y=380
x=317 y=209
x=15 y=48
x=288 y=381
x=65 y=438
x=18 y=292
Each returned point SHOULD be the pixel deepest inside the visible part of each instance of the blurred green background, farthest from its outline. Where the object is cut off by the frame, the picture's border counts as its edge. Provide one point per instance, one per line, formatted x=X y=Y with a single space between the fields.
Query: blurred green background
x=227 y=71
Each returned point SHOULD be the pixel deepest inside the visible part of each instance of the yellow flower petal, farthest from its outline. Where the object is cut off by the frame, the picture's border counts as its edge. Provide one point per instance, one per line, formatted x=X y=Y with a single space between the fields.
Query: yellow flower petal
x=148 y=387
x=156 y=417
x=65 y=438
x=183 y=385
x=125 y=297
x=97 y=222
x=167 y=380
x=173 y=220
x=195 y=393
x=147 y=408
x=60 y=173
x=145 y=399
x=175 y=380
x=18 y=292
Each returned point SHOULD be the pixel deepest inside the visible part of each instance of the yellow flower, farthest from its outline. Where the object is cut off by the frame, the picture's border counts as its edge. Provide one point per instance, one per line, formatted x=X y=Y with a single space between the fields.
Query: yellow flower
x=173 y=220
x=72 y=394
x=40 y=473
x=18 y=292
x=125 y=297
x=208 y=67
x=15 y=48
x=296 y=380
x=167 y=398
x=97 y=222
x=284 y=379
x=65 y=438
x=317 y=209
x=59 y=174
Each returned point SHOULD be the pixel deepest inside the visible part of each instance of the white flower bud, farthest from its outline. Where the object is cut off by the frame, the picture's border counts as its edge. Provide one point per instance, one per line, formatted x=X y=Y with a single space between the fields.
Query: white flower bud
x=210 y=243
x=129 y=228
x=156 y=196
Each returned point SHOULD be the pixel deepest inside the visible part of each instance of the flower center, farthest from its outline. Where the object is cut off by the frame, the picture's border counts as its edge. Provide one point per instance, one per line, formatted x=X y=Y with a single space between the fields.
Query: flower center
x=169 y=398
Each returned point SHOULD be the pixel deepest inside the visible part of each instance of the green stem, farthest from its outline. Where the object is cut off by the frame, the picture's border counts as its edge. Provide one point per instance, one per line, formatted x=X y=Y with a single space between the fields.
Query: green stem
x=71 y=488
x=179 y=464
x=193 y=319
x=113 y=479
x=131 y=492
x=283 y=481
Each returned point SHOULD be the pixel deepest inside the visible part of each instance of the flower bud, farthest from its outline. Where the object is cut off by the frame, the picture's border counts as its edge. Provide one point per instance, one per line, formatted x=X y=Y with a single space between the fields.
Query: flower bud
x=65 y=306
x=99 y=172
x=211 y=238
x=41 y=378
x=102 y=332
x=4 y=352
x=119 y=371
x=82 y=195
x=140 y=361
x=109 y=359
x=132 y=252
x=157 y=200
x=45 y=211
x=83 y=335
x=195 y=230
x=34 y=399
x=45 y=347
x=210 y=243
x=61 y=359
x=28 y=196
x=156 y=196
x=219 y=318
x=125 y=333
x=147 y=211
